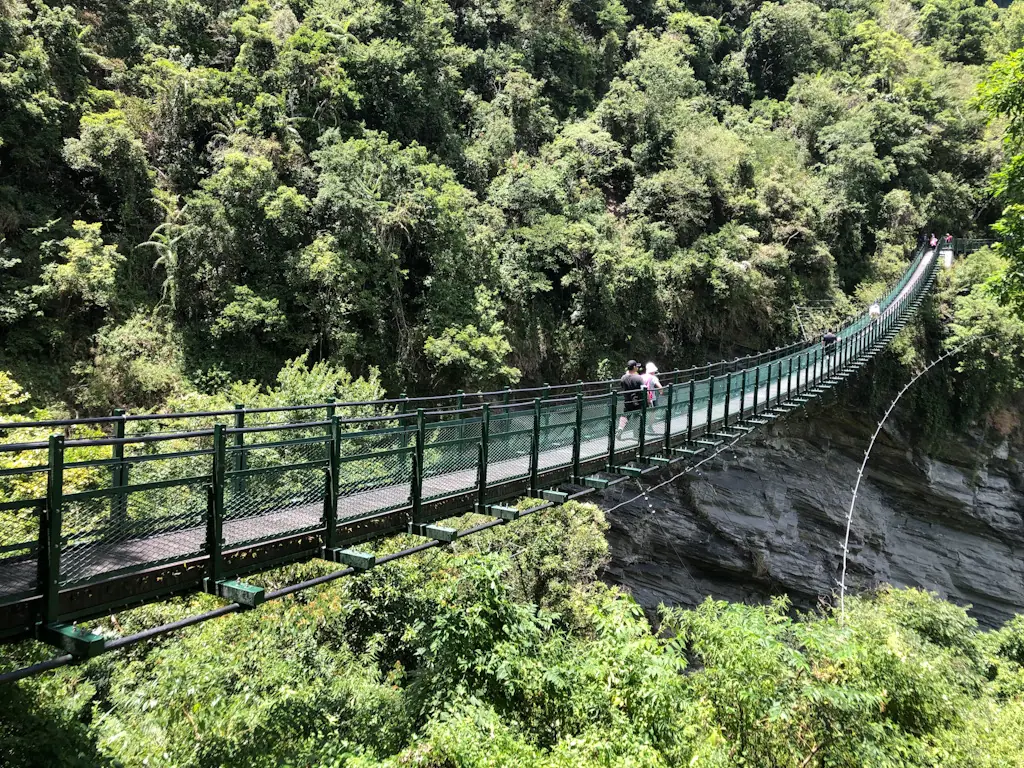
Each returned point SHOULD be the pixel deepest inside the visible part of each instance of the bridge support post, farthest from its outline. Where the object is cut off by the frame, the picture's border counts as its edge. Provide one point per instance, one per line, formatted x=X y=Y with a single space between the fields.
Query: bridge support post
x=333 y=485
x=577 y=439
x=535 y=448
x=642 y=441
x=743 y=394
x=711 y=404
x=757 y=386
x=416 y=491
x=789 y=381
x=613 y=427
x=669 y=402
x=728 y=398
x=119 y=503
x=215 y=510
x=50 y=529
x=689 y=412
x=485 y=431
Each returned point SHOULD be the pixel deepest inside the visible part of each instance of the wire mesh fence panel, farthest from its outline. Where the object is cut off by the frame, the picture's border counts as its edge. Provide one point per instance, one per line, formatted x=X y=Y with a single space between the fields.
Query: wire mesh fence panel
x=19 y=552
x=156 y=525
x=450 y=457
x=509 y=443
x=718 y=401
x=680 y=409
x=160 y=461
x=22 y=482
x=281 y=490
x=557 y=434
x=597 y=415
x=374 y=471
x=701 y=398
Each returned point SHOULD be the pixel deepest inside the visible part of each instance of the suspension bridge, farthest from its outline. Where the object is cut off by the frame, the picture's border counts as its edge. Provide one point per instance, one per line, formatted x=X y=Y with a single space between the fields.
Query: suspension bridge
x=113 y=512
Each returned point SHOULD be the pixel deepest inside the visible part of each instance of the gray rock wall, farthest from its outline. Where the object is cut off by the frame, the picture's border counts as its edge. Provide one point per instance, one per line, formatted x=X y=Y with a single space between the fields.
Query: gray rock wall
x=768 y=517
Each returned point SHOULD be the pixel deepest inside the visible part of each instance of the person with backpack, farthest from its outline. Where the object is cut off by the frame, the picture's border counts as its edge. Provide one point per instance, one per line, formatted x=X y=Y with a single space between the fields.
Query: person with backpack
x=653 y=384
x=632 y=386
x=828 y=344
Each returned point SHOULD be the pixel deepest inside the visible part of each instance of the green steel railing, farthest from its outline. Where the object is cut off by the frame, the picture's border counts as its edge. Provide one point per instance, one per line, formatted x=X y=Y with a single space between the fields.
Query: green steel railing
x=195 y=496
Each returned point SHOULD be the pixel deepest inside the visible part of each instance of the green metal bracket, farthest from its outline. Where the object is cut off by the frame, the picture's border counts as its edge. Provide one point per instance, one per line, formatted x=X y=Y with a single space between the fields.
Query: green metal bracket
x=659 y=461
x=361 y=561
x=628 y=471
x=688 y=451
x=708 y=443
x=508 y=514
x=599 y=483
x=559 y=497
x=437 y=532
x=80 y=643
x=239 y=592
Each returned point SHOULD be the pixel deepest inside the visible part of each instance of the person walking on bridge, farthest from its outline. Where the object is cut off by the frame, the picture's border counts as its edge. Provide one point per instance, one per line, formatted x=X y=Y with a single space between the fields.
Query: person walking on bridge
x=632 y=387
x=653 y=386
x=949 y=239
x=828 y=344
x=934 y=241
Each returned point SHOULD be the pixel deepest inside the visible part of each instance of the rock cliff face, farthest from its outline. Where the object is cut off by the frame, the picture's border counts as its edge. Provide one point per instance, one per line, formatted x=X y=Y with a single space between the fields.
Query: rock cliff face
x=769 y=515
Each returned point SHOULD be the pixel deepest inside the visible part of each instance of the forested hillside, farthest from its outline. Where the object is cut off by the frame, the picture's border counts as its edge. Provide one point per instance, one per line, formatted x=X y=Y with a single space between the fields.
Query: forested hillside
x=470 y=194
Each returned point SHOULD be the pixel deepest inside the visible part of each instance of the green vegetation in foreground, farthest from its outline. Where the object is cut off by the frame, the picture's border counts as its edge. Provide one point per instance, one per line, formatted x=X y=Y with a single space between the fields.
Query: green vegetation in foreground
x=509 y=652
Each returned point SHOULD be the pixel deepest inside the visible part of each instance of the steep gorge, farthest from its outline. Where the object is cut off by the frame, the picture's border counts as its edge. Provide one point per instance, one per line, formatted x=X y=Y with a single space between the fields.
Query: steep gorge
x=767 y=517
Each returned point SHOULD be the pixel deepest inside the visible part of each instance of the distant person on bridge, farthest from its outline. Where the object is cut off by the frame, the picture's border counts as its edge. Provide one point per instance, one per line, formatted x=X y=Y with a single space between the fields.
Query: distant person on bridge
x=828 y=343
x=874 y=312
x=632 y=386
x=934 y=241
x=949 y=239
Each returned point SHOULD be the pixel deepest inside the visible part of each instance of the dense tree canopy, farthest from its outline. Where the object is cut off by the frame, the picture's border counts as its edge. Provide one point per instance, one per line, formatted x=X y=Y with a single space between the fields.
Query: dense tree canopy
x=465 y=195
